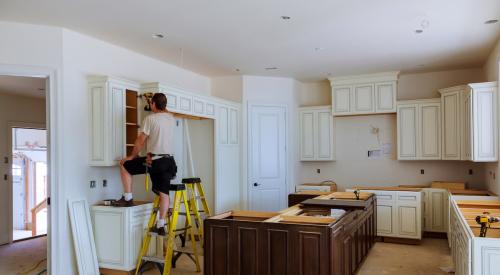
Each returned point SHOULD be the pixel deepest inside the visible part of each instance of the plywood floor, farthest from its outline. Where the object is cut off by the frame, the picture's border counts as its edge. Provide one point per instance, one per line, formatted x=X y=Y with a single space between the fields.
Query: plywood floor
x=384 y=259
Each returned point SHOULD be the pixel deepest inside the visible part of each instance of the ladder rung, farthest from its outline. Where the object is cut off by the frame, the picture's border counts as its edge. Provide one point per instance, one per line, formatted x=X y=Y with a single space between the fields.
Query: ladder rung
x=188 y=250
x=191 y=213
x=153 y=259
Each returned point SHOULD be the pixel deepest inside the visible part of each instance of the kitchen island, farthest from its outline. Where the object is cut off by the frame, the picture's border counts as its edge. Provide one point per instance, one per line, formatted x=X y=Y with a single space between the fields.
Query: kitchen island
x=308 y=238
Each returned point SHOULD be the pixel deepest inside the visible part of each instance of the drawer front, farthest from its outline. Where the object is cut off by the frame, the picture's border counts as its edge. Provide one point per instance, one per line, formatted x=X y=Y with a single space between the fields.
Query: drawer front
x=408 y=197
x=383 y=196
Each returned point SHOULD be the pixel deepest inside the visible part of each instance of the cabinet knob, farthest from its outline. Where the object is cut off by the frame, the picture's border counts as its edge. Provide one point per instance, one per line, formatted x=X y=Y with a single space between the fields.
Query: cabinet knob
x=255 y=184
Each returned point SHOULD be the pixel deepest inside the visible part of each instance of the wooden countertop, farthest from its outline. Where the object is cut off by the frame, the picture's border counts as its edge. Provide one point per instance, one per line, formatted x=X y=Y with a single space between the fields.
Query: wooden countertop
x=388 y=188
x=471 y=192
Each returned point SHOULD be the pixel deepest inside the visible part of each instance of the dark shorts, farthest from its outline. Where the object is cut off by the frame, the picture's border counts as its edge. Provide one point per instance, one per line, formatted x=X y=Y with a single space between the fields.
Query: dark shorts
x=162 y=171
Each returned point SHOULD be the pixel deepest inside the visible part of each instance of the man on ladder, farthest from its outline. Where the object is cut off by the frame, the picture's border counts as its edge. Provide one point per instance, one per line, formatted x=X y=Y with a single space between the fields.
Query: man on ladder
x=157 y=133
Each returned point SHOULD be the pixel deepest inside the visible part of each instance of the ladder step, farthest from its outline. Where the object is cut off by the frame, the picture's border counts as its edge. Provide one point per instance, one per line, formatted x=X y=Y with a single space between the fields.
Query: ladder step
x=191 y=213
x=153 y=259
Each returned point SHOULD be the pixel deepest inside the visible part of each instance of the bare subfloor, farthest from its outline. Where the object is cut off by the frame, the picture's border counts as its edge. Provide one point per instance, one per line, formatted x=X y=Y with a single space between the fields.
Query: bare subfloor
x=384 y=259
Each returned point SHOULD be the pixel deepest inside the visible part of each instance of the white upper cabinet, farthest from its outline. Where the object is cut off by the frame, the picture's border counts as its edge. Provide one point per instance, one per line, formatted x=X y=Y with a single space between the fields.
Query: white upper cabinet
x=419 y=129
x=470 y=130
x=316 y=134
x=107 y=119
x=364 y=94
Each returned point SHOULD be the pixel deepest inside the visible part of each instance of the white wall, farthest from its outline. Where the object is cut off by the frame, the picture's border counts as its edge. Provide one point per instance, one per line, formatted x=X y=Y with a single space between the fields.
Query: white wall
x=272 y=90
x=492 y=72
x=353 y=139
x=14 y=109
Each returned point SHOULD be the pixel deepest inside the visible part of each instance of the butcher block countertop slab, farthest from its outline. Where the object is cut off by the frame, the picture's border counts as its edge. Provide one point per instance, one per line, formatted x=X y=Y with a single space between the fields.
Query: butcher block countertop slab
x=470 y=192
x=312 y=192
x=388 y=188
x=346 y=196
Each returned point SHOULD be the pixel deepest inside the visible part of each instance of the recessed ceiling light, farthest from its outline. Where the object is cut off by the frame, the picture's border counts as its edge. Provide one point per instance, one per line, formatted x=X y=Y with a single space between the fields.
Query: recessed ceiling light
x=419 y=31
x=237 y=69
x=492 y=21
x=271 y=68
x=157 y=35
x=284 y=17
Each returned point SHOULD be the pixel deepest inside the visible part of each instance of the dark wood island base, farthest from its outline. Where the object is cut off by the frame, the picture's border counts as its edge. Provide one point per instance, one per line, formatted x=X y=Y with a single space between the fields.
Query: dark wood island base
x=303 y=239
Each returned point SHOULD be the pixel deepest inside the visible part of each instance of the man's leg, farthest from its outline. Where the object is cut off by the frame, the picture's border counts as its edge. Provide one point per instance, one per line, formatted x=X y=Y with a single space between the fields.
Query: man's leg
x=126 y=180
x=164 y=205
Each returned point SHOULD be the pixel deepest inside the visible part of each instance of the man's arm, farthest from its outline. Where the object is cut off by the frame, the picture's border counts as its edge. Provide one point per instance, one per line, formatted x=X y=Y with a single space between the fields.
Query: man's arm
x=138 y=146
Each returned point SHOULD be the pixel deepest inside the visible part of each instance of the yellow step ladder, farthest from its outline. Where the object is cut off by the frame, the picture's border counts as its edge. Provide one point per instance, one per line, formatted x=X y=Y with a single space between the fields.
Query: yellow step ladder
x=196 y=194
x=165 y=264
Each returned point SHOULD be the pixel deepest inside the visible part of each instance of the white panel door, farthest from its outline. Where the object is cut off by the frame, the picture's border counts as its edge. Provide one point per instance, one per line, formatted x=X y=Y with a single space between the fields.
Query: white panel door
x=484 y=125
x=407 y=131
x=385 y=218
x=307 y=135
x=325 y=135
x=450 y=103
x=407 y=221
x=342 y=100
x=267 y=158
x=430 y=131
x=385 y=94
x=363 y=99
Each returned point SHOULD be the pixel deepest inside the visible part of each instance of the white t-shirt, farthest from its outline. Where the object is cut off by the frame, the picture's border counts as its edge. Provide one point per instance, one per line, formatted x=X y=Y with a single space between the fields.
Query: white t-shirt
x=159 y=128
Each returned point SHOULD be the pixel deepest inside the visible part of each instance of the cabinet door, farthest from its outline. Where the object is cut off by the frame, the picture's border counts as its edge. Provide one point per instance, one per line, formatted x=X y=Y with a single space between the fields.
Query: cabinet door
x=341 y=100
x=118 y=122
x=385 y=95
x=172 y=101
x=385 y=218
x=363 y=97
x=435 y=210
x=233 y=126
x=407 y=218
x=223 y=125
x=450 y=103
x=97 y=124
x=430 y=131
x=198 y=107
x=484 y=125
x=324 y=135
x=307 y=129
x=407 y=122
x=185 y=104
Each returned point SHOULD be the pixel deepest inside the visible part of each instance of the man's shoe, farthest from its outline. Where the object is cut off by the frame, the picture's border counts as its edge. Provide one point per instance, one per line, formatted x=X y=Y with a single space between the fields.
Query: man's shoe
x=159 y=231
x=123 y=203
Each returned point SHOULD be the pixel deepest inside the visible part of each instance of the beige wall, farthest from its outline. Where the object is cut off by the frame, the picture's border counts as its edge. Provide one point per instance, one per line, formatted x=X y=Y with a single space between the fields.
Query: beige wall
x=492 y=72
x=354 y=139
x=228 y=87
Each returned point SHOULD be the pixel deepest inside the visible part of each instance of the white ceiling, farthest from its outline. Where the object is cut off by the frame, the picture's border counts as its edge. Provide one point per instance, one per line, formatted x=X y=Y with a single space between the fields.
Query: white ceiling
x=23 y=86
x=217 y=36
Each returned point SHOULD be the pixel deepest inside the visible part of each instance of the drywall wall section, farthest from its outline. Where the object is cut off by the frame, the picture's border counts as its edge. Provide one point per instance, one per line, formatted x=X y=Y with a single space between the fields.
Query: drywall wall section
x=492 y=72
x=15 y=109
x=353 y=167
x=492 y=65
x=315 y=93
x=275 y=91
x=426 y=85
x=228 y=87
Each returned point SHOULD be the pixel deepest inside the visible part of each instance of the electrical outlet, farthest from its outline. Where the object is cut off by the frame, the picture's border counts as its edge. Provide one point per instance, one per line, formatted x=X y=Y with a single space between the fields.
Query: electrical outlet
x=92 y=184
x=318 y=170
x=422 y=171
x=104 y=183
x=471 y=172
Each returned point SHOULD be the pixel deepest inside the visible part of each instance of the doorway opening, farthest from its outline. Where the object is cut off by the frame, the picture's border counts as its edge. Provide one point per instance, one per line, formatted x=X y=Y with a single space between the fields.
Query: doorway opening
x=29 y=183
x=25 y=168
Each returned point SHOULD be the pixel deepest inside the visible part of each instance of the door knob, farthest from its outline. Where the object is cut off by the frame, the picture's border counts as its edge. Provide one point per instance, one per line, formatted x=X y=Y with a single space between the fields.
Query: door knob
x=255 y=184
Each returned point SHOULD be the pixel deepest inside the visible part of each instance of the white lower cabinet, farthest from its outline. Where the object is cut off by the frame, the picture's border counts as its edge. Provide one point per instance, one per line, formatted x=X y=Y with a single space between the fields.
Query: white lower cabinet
x=436 y=210
x=471 y=255
x=118 y=233
x=316 y=129
x=399 y=213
